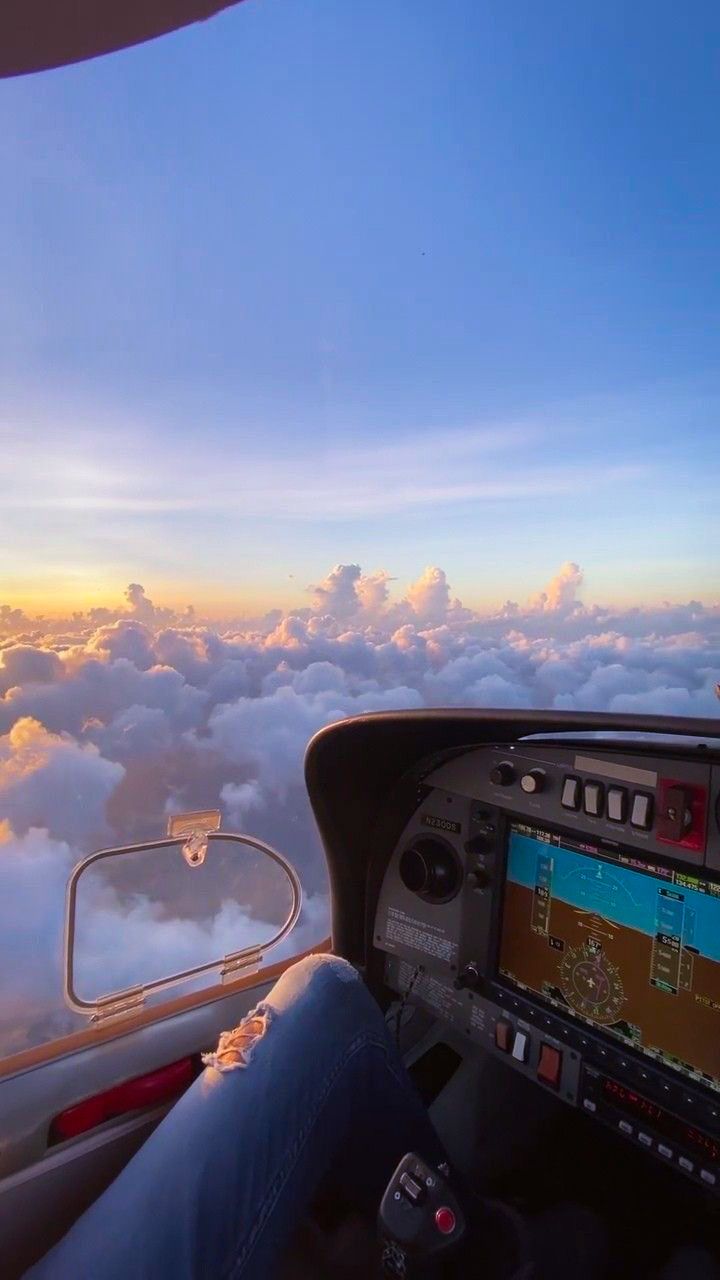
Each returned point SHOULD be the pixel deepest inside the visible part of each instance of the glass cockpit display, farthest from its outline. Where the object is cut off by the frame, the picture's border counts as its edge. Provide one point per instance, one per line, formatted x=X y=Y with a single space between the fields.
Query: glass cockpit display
x=630 y=948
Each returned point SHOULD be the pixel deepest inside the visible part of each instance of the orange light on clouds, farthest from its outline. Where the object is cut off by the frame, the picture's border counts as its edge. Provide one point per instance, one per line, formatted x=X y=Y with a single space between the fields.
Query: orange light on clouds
x=60 y=596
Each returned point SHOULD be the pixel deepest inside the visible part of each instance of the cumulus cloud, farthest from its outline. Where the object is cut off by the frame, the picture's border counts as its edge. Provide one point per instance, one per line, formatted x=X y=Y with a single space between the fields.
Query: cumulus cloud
x=373 y=591
x=138 y=607
x=132 y=945
x=13 y=620
x=430 y=595
x=242 y=800
x=561 y=591
x=51 y=780
x=34 y=870
x=347 y=593
x=138 y=604
x=111 y=719
x=429 y=599
x=337 y=593
x=24 y=664
x=268 y=734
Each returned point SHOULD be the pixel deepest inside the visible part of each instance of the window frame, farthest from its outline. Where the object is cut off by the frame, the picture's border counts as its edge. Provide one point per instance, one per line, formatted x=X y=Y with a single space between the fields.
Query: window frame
x=120 y=1003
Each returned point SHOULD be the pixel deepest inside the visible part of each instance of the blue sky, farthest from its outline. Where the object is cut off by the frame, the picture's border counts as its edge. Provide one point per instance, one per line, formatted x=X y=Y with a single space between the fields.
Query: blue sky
x=397 y=283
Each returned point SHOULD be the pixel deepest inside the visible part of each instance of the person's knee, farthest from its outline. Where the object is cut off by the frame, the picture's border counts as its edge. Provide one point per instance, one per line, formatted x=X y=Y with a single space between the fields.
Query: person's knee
x=321 y=983
x=323 y=976
x=327 y=997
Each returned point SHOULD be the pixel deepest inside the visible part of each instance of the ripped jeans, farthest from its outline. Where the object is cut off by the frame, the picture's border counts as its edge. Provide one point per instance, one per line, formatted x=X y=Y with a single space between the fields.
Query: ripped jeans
x=309 y=1085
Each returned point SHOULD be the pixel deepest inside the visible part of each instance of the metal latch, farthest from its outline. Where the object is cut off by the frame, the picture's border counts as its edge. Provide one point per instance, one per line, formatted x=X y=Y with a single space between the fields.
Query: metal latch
x=194 y=829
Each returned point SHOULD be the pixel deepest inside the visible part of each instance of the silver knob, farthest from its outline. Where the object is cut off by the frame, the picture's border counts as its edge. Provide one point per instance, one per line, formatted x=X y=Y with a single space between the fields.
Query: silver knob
x=533 y=781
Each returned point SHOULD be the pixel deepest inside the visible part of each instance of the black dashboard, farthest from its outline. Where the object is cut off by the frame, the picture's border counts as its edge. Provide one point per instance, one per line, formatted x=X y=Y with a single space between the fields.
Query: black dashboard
x=554 y=902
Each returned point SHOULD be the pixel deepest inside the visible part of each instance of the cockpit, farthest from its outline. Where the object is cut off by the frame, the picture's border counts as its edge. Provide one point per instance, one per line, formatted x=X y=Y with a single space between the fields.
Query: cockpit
x=542 y=913
x=532 y=900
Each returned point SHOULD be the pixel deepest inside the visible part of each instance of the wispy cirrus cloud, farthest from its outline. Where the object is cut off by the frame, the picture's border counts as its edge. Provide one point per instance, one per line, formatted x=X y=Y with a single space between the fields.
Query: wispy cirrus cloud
x=320 y=483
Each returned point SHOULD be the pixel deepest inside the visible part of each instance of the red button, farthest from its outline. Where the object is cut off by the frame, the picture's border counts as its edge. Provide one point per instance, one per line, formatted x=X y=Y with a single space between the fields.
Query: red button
x=549 y=1065
x=445 y=1220
x=504 y=1036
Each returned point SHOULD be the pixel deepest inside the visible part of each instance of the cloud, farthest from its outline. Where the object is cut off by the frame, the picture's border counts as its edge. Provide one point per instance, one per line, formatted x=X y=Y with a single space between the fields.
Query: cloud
x=241 y=800
x=12 y=621
x=346 y=593
x=139 y=608
x=50 y=780
x=429 y=597
x=423 y=470
x=138 y=603
x=268 y=735
x=111 y=719
x=337 y=594
x=24 y=664
x=373 y=591
x=561 y=591
x=124 y=639
x=34 y=870
x=429 y=600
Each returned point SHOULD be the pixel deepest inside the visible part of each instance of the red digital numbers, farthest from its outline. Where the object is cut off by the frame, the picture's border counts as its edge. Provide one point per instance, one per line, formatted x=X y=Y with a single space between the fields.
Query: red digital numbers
x=702 y=1141
x=669 y=1124
x=633 y=1102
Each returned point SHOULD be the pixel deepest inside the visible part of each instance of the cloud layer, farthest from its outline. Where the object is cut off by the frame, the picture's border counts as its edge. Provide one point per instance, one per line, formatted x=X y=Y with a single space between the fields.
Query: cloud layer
x=110 y=720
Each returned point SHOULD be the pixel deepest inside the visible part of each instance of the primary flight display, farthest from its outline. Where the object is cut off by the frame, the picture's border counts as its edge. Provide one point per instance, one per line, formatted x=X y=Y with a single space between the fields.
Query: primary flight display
x=626 y=946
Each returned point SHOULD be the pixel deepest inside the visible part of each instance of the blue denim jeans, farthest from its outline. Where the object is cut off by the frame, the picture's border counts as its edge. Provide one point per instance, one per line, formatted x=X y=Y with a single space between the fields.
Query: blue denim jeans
x=310 y=1084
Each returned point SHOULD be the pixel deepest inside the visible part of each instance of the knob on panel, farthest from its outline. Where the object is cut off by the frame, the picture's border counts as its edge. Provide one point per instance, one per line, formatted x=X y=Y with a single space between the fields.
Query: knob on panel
x=467 y=977
x=503 y=775
x=479 y=877
x=430 y=868
x=533 y=781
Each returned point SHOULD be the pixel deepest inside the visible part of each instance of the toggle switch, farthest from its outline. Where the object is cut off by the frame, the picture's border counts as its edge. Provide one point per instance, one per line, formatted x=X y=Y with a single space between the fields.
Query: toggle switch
x=549 y=1065
x=616 y=804
x=570 y=798
x=520 y=1047
x=593 y=799
x=504 y=1036
x=641 y=814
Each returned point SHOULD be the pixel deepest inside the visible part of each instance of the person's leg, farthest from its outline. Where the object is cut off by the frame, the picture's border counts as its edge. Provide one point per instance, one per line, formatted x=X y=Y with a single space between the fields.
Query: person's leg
x=224 y=1179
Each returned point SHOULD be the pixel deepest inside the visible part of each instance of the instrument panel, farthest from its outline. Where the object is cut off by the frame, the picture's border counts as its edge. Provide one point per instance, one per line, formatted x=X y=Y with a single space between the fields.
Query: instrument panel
x=560 y=906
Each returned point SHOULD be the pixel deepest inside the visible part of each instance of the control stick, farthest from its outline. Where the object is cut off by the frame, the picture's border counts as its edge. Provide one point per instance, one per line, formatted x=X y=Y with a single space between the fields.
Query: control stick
x=420 y=1221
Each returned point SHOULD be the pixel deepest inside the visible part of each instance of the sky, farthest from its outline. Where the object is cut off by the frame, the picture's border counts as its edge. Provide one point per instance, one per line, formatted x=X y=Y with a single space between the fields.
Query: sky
x=353 y=357
x=391 y=284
